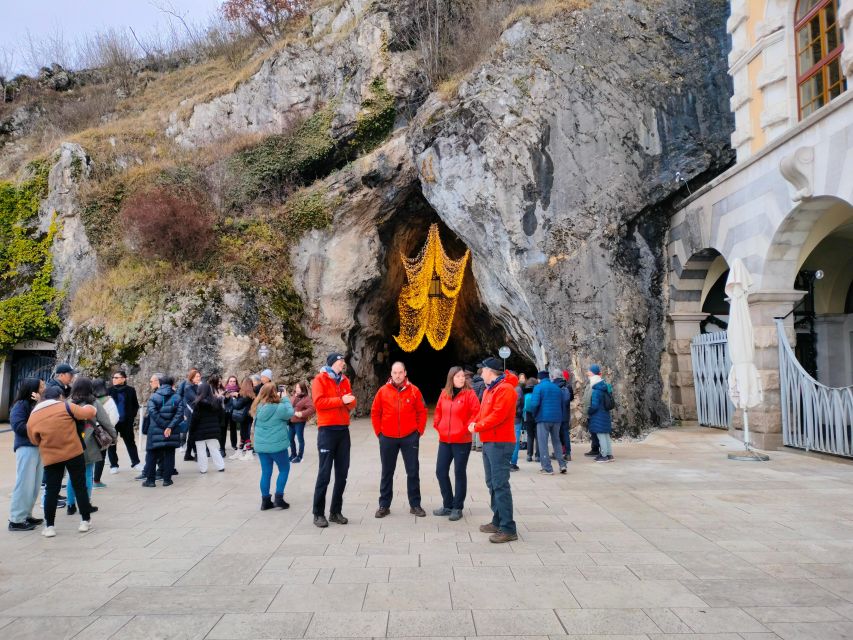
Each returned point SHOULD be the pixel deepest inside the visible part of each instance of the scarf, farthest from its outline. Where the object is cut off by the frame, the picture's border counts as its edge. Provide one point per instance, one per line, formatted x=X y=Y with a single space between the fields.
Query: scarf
x=337 y=377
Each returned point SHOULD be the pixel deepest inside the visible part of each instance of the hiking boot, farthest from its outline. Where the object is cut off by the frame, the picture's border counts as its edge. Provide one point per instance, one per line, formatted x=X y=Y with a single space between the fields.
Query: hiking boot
x=22 y=526
x=320 y=521
x=381 y=512
x=168 y=483
x=279 y=501
x=455 y=514
x=592 y=453
x=488 y=528
x=600 y=458
x=266 y=503
x=337 y=518
x=513 y=467
x=502 y=536
x=149 y=483
x=443 y=511
x=418 y=511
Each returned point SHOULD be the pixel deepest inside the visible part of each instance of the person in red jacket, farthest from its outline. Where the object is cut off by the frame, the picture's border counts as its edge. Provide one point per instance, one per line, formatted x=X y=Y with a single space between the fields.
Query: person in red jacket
x=496 y=425
x=399 y=416
x=457 y=406
x=333 y=401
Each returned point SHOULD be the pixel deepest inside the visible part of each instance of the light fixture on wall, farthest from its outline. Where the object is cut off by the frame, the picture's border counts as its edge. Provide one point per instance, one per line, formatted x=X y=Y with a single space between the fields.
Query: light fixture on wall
x=263 y=353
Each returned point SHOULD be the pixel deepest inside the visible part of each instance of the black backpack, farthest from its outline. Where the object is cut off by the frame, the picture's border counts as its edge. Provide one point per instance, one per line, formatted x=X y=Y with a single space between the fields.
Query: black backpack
x=607 y=400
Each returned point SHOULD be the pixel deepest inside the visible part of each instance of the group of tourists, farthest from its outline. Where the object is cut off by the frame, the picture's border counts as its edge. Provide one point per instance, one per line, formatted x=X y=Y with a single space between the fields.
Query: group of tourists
x=68 y=425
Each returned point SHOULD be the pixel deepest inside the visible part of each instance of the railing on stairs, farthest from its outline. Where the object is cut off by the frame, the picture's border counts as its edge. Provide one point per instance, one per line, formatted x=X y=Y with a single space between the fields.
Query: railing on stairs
x=710 y=355
x=814 y=417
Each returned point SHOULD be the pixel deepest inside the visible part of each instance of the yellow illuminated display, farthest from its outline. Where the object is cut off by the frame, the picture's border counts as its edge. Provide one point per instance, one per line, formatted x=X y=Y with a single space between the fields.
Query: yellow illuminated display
x=427 y=309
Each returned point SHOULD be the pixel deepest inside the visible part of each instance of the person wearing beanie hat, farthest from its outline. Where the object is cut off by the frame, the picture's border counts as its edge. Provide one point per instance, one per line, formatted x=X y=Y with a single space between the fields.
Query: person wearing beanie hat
x=266 y=376
x=599 y=413
x=333 y=402
x=546 y=405
x=62 y=378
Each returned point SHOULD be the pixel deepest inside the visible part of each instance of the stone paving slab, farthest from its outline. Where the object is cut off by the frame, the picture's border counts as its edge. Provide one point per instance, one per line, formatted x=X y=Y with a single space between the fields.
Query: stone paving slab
x=672 y=540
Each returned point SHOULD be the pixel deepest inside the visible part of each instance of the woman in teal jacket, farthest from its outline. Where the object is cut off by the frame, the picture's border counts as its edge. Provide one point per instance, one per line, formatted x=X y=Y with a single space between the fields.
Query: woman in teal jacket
x=271 y=442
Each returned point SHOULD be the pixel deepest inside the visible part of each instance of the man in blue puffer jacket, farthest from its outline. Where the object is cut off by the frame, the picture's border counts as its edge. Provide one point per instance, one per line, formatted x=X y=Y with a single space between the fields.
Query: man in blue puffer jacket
x=546 y=404
x=165 y=412
x=599 y=416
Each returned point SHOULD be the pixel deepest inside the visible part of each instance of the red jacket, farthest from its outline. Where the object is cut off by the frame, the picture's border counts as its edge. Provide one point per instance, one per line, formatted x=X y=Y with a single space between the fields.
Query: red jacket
x=453 y=415
x=496 y=420
x=397 y=413
x=327 y=394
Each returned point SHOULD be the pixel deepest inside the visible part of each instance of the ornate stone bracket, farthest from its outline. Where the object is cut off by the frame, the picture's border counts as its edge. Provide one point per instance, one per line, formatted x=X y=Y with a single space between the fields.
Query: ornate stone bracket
x=798 y=169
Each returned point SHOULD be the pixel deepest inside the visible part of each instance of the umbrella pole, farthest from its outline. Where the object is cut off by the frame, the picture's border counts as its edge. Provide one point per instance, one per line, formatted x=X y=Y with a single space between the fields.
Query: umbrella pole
x=746 y=429
x=750 y=455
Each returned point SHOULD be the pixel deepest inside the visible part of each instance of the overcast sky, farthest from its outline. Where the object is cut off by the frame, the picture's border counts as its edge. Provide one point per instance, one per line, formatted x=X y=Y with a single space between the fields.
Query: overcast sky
x=78 y=19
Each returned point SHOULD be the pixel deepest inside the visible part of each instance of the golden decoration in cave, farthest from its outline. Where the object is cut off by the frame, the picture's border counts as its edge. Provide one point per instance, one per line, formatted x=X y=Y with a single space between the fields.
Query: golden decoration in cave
x=427 y=302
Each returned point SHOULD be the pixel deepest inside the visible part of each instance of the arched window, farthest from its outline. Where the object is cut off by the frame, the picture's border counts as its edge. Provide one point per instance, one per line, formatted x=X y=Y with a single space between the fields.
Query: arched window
x=819 y=46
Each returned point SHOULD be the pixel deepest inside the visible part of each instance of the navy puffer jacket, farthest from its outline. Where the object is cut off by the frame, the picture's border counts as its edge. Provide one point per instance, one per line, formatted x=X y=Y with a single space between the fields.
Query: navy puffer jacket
x=18 y=417
x=164 y=412
x=599 y=417
x=546 y=402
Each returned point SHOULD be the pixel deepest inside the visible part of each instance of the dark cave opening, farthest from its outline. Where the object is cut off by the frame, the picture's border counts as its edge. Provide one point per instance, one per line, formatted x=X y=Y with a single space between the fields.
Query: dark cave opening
x=475 y=332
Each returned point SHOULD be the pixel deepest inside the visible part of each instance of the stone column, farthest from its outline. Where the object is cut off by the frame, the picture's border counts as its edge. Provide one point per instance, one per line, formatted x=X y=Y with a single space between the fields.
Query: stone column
x=845 y=17
x=683 y=328
x=765 y=420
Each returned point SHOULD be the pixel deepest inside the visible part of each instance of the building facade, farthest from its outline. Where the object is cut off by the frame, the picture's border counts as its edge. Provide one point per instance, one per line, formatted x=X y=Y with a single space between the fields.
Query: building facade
x=786 y=210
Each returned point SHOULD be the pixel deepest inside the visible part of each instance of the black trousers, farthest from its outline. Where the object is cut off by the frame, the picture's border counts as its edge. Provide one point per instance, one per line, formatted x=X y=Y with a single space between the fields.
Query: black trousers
x=458 y=454
x=595 y=447
x=407 y=446
x=76 y=476
x=333 y=447
x=233 y=428
x=165 y=457
x=125 y=431
x=530 y=427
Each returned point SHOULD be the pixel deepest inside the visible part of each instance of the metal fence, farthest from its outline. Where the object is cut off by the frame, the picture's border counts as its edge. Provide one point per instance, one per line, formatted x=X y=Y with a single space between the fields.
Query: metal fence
x=711 y=364
x=814 y=416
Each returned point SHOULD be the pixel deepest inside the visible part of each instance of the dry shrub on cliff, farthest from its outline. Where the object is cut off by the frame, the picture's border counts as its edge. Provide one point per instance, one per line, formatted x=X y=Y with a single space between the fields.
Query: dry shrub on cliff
x=172 y=224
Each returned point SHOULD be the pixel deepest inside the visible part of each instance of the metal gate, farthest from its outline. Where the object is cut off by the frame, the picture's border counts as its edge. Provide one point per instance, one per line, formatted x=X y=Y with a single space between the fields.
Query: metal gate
x=30 y=364
x=711 y=364
x=814 y=416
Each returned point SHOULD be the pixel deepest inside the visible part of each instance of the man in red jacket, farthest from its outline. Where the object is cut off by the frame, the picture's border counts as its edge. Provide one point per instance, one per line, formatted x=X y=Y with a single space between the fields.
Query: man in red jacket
x=333 y=401
x=399 y=418
x=496 y=425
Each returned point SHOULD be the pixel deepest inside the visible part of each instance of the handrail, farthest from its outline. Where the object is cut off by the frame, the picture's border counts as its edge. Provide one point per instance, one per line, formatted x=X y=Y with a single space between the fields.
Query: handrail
x=814 y=415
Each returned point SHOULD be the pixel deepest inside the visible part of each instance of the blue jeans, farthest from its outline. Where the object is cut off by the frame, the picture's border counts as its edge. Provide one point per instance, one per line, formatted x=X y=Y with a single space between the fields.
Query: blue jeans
x=28 y=474
x=72 y=500
x=457 y=453
x=543 y=431
x=606 y=444
x=514 y=459
x=496 y=461
x=283 y=461
x=297 y=433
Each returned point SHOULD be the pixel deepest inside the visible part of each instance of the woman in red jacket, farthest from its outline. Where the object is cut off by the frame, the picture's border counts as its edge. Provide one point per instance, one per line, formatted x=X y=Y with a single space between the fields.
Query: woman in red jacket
x=456 y=408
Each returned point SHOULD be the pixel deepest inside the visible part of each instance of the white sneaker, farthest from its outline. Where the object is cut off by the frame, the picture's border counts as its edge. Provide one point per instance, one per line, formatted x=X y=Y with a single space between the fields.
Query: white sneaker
x=113 y=470
x=49 y=532
x=137 y=466
x=247 y=455
x=85 y=525
x=236 y=455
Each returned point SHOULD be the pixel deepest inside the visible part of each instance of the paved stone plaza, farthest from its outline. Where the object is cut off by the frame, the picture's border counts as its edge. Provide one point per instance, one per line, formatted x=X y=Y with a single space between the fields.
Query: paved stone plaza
x=671 y=541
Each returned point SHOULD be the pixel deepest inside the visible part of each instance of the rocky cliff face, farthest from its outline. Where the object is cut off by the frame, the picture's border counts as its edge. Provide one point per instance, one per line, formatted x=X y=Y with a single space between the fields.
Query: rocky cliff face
x=555 y=164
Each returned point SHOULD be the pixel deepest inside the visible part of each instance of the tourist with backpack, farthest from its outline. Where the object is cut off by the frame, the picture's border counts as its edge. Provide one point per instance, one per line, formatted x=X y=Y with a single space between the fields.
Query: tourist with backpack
x=600 y=405
x=83 y=395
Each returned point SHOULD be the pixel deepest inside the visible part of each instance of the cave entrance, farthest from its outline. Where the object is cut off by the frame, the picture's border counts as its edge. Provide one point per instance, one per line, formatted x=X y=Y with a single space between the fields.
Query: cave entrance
x=475 y=333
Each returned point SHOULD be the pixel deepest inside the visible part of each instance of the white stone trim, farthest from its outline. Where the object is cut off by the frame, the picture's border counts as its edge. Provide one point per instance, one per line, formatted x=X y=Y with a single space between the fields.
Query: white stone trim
x=769 y=26
x=738 y=100
x=771 y=75
x=743 y=58
x=774 y=115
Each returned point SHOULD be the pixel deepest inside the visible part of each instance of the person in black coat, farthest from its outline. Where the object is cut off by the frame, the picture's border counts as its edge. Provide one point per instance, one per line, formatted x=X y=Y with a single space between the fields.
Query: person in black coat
x=205 y=426
x=162 y=428
x=127 y=403
x=566 y=423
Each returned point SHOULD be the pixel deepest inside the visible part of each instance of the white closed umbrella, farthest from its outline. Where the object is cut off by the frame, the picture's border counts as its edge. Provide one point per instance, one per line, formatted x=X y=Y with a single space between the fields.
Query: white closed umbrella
x=744 y=382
